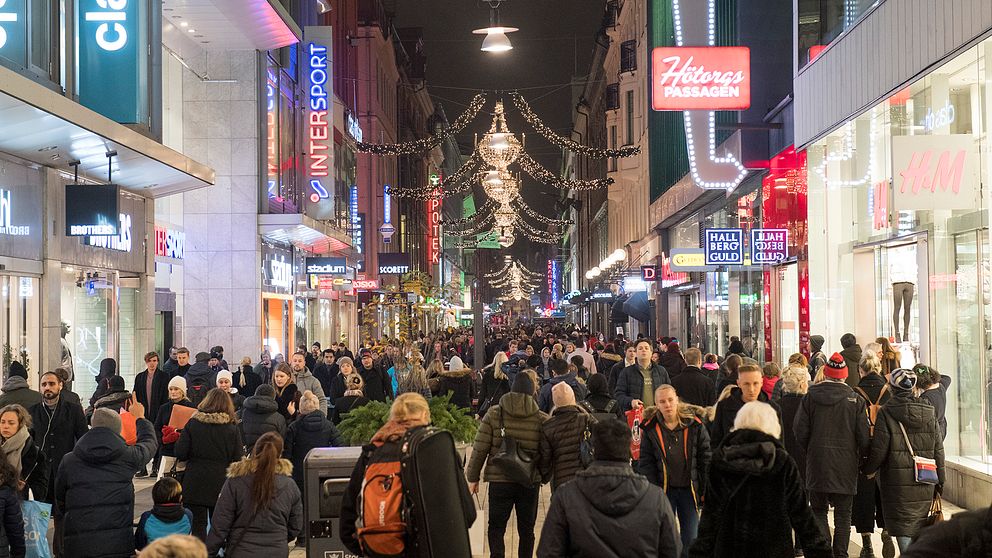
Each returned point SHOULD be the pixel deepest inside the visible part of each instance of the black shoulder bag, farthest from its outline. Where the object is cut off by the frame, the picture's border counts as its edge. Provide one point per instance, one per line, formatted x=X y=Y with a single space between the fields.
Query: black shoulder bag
x=516 y=463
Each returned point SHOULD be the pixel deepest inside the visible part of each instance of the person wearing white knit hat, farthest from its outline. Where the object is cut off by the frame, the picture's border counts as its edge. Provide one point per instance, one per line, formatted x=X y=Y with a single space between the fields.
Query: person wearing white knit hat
x=167 y=435
x=225 y=381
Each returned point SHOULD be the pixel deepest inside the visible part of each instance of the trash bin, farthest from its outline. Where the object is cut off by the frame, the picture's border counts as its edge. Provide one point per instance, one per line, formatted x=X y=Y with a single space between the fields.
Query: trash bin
x=326 y=475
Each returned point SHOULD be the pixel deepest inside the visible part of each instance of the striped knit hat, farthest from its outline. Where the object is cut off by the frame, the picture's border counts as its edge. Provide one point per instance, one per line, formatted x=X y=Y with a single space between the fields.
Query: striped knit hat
x=903 y=379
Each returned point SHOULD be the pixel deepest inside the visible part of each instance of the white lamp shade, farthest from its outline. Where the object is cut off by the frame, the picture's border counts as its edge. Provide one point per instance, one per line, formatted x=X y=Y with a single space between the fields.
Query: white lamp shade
x=496 y=41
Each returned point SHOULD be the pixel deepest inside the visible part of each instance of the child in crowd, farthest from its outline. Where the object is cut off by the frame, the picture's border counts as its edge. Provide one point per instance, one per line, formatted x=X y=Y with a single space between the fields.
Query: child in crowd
x=167 y=517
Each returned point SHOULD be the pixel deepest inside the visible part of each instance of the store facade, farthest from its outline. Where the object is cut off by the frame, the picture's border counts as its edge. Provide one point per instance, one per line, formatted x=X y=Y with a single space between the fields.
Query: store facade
x=899 y=229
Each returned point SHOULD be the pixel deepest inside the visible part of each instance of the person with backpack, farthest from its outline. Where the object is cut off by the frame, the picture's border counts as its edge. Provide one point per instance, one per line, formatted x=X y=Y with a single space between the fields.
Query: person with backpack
x=599 y=402
x=867 y=509
x=817 y=358
x=675 y=455
x=693 y=385
x=260 y=414
x=374 y=480
x=200 y=379
x=565 y=447
x=513 y=477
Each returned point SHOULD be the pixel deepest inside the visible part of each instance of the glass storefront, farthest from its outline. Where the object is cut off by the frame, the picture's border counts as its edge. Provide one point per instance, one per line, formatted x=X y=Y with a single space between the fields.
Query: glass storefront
x=900 y=230
x=20 y=321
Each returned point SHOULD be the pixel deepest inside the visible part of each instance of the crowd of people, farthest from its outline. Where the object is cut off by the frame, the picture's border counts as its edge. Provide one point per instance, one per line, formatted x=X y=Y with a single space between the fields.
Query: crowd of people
x=649 y=450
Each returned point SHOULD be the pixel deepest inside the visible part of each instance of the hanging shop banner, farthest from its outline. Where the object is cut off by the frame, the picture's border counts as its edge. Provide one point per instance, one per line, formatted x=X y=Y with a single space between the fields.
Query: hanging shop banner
x=326 y=266
x=277 y=269
x=553 y=274
x=394 y=264
x=724 y=246
x=319 y=128
x=671 y=278
x=701 y=78
x=935 y=172
x=112 y=57
x=601 y=296
x=365 y=284
x=91 y=210
x=13 y=31
x=769 y=246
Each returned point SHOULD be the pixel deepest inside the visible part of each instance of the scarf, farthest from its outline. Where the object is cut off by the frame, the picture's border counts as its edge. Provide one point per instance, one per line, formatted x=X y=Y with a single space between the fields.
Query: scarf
x=13 y=446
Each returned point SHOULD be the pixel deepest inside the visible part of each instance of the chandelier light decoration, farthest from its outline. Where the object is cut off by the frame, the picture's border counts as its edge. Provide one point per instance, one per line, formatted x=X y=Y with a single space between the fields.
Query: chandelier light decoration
x=515 y=280
x=498 y=147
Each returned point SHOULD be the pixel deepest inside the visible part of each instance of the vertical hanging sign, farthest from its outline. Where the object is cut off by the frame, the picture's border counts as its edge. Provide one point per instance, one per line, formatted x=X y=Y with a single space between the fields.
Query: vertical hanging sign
x=112 y=59
x=13 y=31
x=319 y=166
x=434 y=224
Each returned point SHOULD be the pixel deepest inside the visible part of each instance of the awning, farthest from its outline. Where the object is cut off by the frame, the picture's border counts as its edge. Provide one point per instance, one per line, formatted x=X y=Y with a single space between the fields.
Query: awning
x=305 y=233
x=42 y=126
x=232 y=24
x=638 y=307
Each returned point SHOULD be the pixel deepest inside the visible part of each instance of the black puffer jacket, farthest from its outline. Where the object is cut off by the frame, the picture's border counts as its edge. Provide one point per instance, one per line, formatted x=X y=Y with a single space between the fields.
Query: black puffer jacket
x=561 y=436
x=832 y=427
x=695 y=448
x=260 y=414
x=905 y=502
x=209 y=443
x=519 y=415
x=493 y=388
x=459 y=383
x=308 y=432
x=94 y=494
x=695 y=387
x=790 y=403
x=754 y=500
x=12 y=534
x=236 y=527
x=609 y=511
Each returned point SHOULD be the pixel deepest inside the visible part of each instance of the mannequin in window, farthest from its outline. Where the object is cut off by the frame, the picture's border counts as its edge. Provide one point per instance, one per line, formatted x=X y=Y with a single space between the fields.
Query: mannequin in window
x=903 y=275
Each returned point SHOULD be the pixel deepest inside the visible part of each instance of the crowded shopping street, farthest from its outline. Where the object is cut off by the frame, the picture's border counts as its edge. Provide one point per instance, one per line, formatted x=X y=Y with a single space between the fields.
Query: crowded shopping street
x=495 y=279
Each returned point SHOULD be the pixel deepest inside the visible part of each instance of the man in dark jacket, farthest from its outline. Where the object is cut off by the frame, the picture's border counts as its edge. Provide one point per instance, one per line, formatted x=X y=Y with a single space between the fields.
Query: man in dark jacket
x=636 y=383
x=265 y=367
x=692 y=385
x=559 y=369
x=832 y=427
x=57 y=425
x=561 y=438
x=378 y=386
x=748 y=389
x=852 y=356
x=171 y=364
x=200 y=378
x=325 y=371
x=260 y=414
x=16 y=388
x=629 y=358
x=94 y=495
x=608 y=509
x=182 y=363
x=151 y=388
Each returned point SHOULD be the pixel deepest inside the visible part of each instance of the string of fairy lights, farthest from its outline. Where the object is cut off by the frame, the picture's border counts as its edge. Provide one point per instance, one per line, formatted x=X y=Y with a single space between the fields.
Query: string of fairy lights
x=505 y=213
x=516 y=281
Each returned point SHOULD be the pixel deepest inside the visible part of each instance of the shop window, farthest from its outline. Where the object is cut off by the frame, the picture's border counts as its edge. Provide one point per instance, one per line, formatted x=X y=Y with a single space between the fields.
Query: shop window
x=19 y=322
x=282 y=158
x=89 y=335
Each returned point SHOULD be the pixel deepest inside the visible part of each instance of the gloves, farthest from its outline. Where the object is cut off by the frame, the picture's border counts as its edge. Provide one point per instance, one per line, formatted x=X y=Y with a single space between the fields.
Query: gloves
x=169 y=435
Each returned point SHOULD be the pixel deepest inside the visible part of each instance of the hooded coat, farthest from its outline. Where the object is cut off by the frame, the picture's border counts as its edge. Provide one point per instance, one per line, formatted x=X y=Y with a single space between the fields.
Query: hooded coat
x=519 y=416
x=200 y=374
x=905 y=502
x=561 y=438
x=609 y=511
x=240 y=531
x=754 y=500
x=209 y=443
x=852 y=356
x=653 y=462
x=16 y=390
x=94 y=492
x=308 y=432
x=108 y=369
x=832 y=427
x=115 y=401
x=260 y=414
x=305 y=380
x=458 y=381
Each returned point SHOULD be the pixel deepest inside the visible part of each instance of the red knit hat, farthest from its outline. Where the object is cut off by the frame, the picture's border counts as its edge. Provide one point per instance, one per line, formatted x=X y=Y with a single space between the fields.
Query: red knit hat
x=836 y=367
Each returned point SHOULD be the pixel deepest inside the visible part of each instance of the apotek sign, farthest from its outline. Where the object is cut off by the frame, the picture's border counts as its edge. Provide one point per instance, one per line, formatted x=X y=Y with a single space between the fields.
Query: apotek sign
x=320 y=137
x=701 y=78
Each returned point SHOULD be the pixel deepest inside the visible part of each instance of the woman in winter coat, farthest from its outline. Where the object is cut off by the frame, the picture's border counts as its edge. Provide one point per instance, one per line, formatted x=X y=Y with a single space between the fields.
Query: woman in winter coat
x=675 y=455
x=245 y=379
x=12 y=542
x=495 y=383
x=260 y=414
x=933 y=389
x=311 y=430
x=167 y=435
x=905 y=502
x=889 y=356
x=287 y=395
x=108 y=369
x=795 y=385
x=19 y=450
x=353 y=397
x=755 y=497
x=259 y=510
x=516 y=414
x=562 y=435
x=866 y=511
x=457 y=380
x=116 y=398
x=209 y=443
x=225 y=381
x=672 y=360
x=413 y=379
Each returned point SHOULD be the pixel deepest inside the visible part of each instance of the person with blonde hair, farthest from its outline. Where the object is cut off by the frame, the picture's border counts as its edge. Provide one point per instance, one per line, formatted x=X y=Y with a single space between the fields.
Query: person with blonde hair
x=175 y=546
x=867 y=510
x=311 y=430
x=495 y=383
x=754 y=496
x=413 y=379
x=795 y=385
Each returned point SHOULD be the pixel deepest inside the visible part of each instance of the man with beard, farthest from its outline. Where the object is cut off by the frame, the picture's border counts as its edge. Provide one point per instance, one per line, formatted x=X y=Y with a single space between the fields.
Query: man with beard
x=305 y=379
x=378 y=386
x=57 y=425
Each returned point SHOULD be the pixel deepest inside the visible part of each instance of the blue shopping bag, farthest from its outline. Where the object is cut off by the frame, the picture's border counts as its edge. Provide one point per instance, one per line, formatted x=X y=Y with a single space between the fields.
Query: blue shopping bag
x=37 y=515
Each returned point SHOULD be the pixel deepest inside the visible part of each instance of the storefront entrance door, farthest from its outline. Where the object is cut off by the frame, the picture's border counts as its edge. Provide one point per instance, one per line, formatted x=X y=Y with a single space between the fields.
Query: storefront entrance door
x=688 y=308
x=785 y=312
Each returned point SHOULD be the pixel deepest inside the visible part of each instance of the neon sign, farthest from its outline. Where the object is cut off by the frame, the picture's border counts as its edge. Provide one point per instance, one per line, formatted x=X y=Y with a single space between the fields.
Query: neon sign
x=943 y=117
x=170 y=243
x=553 y=299
x=317 y=124
x=121 y=242
x=434 y=231
x=281 y=273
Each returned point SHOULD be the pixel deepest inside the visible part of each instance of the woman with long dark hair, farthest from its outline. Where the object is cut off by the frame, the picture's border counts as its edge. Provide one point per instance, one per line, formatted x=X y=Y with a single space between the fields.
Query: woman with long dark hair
x=19 y=449
x=260 y=509
x=208 y=444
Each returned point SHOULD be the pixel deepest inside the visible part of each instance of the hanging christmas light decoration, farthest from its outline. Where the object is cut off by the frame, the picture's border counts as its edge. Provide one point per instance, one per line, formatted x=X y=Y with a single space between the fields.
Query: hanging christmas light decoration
x=429 y=142
x=498 y=147
x=543 y=175
x=567 y=143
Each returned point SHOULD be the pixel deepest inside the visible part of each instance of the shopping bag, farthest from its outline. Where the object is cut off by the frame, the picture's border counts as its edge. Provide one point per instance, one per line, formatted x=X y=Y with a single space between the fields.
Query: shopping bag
x=634 y=422
x=129 y=428
x=478 y=532
x=36 y=517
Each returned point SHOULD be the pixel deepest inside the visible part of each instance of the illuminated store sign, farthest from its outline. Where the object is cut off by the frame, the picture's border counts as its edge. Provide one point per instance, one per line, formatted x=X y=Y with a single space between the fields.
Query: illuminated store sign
x=553 y=273
x=769 y=245
x=649 y=273
x=387 y=230
x=6 y=224
x=281 y=273
x=12 y=30
x=434 y=225
x=170 y=243
x=112 y=38
x=354 y=127
x=326 y=266
x=935 y=172
x=365 y=284
x=121 y=242
x=319 y=135
x=940 y=119
x=724 y=246
x=394 y=264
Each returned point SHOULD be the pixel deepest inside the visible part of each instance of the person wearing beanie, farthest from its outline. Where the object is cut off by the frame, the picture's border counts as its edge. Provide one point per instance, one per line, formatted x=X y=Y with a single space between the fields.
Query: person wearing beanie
x=852 y=356
x=225 y=381
x=260 y=414
x=108 y=369
x=832 y=428
x=518 y=415
x=905 y=417
x=16 y=389
x=200 y=378
x=118 y=398
x=346 y=367
x=816 y=356
x=94 y=494
x=353 y=395
x=561 y=437
x=167 y=435
x=311 y=430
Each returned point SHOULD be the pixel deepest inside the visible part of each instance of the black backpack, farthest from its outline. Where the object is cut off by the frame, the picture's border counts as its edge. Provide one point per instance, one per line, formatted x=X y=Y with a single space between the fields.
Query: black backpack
x=197 y=390
x=608 y=412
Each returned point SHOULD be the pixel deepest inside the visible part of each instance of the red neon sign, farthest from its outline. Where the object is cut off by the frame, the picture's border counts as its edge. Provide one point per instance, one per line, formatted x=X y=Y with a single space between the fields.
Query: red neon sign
x=365 y=284
x=701 y=78
x=434 y=231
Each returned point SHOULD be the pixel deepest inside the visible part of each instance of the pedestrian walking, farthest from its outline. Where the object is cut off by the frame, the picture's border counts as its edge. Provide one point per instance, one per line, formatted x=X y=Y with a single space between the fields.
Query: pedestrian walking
x=225 y=382
x=748 y=389
x=151 y=388
x=600 y=402
x=413 y=378
x=265 y=367
x=12 y=538
x=306 y=381
x=867 y=510
x=562 y=438
x=561 y=373
x=378 y=386
x=16 y=390
x=637 y=382
x=353 y=397
x=287 y=393
x=20 y=451
x=260 y=414
x=108 y=369
x=167 y=516
x=457 y=380
x=168 y=435
x=933 y=389
x=693 y=385
x=58 y=424
x=311 y=430
x=851 y=354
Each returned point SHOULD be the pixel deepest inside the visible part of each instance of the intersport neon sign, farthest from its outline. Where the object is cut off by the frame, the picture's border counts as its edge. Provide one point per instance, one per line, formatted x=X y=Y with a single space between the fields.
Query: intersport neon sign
x=318 y=127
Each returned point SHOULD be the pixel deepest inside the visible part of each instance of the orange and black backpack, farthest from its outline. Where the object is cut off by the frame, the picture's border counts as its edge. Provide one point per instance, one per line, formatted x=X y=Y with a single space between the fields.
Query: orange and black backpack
x=382 y=504
x=873 y=406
